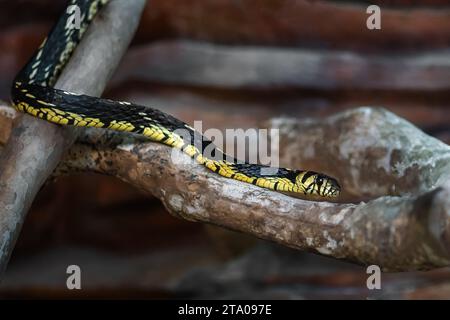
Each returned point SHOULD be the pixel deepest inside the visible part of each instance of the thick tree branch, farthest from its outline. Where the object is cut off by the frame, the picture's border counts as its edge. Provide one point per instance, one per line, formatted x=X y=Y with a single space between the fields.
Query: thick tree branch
x=371 y=151
x=35 y=147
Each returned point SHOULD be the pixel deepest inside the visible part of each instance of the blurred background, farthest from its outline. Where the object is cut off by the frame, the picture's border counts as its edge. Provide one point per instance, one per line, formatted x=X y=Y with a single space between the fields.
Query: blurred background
x=232 y=64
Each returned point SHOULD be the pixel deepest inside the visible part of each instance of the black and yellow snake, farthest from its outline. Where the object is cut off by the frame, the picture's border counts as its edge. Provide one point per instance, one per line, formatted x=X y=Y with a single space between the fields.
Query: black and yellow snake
x=33 y=93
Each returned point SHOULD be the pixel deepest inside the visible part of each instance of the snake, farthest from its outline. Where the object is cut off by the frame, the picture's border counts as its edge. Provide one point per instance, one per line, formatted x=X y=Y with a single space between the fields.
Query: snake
x=33 y=93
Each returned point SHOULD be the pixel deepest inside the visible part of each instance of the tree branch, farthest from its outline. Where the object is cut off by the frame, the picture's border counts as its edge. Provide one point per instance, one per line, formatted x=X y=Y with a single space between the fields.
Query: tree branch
x=35 y=147
x=371 y=151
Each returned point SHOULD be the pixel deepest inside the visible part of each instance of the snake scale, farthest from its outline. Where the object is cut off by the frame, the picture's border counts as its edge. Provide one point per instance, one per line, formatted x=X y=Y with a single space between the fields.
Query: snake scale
x=33 y=93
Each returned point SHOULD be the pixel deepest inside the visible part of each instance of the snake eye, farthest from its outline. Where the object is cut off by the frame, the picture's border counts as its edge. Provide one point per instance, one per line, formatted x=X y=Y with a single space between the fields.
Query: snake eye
x=319 y=180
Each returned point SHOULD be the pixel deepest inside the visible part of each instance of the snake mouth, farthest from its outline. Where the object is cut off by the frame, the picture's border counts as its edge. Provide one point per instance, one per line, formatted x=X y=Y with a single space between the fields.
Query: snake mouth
x=332 y=188
x=333 y=194
x=317 y=185
x=326 y=187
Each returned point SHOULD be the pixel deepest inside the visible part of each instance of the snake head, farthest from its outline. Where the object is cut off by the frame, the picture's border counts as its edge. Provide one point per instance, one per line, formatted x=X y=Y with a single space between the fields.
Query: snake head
x=317 y=184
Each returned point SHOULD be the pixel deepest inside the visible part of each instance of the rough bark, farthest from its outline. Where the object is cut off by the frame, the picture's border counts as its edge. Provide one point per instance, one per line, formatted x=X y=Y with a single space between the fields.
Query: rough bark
x=375 y=155
x=35 y=147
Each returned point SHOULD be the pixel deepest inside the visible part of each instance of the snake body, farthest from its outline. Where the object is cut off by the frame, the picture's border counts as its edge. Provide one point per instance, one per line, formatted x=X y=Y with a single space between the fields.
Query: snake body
x=33 y=93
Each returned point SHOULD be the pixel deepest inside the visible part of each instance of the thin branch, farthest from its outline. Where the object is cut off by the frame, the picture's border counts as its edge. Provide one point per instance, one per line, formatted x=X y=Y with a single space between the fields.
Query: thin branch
x=35 y=147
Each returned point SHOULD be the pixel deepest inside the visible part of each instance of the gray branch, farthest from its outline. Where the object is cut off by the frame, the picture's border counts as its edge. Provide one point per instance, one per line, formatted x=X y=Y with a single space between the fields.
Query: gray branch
x=35 y=147
x=403 y=174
